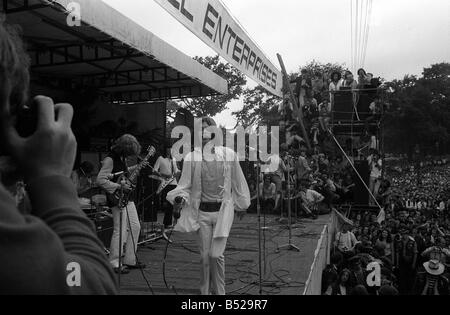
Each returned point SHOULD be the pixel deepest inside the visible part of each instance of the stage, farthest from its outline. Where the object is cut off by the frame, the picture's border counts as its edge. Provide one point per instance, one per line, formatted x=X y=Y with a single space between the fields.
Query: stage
x=285 y=271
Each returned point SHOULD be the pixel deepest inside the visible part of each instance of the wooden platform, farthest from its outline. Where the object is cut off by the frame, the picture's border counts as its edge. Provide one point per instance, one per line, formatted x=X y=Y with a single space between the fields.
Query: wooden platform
x=285 y=272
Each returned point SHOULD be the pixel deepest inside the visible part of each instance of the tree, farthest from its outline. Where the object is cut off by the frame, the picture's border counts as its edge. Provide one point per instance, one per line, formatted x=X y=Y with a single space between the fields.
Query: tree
x=213 y=105
x=420 y=112
x=326 y=69
x=260 y=107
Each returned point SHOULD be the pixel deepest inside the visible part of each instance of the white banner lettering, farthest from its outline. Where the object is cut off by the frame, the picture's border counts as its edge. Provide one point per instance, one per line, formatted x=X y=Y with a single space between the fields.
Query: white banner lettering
x=212 y=23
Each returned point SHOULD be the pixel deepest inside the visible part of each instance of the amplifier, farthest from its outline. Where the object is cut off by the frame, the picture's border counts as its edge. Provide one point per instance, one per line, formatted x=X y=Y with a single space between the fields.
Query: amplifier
x=104 y=226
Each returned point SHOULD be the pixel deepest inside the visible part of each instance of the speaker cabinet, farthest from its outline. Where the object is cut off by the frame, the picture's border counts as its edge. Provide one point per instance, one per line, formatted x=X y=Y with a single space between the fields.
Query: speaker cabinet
x=361 y=195
x=343 y=106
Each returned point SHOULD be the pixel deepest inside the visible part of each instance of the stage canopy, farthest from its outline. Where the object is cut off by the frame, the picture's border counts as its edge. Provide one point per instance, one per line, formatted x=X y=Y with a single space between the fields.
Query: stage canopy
x=108 y=52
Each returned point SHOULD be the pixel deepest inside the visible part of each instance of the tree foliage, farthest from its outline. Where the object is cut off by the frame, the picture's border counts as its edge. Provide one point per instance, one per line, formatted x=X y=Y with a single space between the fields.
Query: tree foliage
x=260 y=107
x=213 y=105
x=420 y=112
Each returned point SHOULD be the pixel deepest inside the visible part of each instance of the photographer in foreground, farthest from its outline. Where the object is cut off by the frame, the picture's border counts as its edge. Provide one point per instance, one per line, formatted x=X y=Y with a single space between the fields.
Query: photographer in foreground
x=54 y=250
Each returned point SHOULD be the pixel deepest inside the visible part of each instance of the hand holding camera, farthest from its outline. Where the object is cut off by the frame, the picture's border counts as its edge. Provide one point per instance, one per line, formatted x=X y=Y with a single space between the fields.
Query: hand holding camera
x=51 y=149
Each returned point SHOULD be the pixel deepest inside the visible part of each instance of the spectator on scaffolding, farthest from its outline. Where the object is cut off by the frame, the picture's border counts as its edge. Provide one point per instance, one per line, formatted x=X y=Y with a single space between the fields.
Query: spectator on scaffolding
x=363 y=78
x=324 y=115
x=303 y=87
x=311 y=108
x=375 y=165
x=318 y=85
x=335 y=85
x=349 y=81
x=303 y=168
x=293 y=140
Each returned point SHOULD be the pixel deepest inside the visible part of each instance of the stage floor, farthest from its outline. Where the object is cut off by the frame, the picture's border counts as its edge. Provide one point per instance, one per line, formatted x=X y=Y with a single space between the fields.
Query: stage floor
x=285 y=272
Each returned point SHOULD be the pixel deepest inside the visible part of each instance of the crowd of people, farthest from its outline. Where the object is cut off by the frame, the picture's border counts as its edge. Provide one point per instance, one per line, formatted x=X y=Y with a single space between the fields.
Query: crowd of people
x=410 y=238
x=318 y=178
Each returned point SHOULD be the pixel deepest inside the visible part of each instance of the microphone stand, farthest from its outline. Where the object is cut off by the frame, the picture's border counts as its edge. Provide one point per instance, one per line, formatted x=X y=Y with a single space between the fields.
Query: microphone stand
x=258 y=208
x=120 y=239
x=290 y=246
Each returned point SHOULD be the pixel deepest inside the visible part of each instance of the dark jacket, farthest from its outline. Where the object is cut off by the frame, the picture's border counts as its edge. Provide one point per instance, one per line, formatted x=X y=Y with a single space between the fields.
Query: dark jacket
x=38 y=249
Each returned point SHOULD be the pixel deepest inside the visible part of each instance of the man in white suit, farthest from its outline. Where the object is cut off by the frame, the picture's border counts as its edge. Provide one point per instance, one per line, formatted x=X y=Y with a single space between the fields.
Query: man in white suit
x=212 y=188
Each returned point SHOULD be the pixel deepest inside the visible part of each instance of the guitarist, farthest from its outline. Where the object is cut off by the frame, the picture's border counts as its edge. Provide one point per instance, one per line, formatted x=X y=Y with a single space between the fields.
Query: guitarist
x=166 y=168
x=116 y=162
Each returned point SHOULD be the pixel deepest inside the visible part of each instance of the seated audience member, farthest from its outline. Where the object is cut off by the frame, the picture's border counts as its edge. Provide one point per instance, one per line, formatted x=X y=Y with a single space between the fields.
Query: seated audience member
x=310 y=199
x=39 y=249
x=268 y=194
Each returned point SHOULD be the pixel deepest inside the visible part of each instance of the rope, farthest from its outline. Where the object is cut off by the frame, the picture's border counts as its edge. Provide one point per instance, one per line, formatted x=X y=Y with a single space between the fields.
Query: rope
x=368 y=30
x=352 y=37
x=354 y=168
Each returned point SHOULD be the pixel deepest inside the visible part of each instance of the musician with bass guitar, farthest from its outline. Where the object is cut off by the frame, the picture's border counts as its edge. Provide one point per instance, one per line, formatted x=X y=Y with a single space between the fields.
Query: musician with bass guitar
x=167 y=172
x=118 y=194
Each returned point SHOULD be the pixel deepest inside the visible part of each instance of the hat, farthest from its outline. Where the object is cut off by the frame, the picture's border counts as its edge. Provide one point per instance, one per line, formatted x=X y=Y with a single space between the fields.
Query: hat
x=434 y=267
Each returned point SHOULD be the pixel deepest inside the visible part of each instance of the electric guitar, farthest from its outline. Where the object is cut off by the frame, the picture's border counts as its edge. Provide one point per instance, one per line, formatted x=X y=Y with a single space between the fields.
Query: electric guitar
x=120 y=197
x=164 y=182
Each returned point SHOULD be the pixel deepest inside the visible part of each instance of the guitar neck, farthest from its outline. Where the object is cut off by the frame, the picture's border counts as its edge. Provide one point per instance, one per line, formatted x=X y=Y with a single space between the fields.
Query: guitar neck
x=137 y=171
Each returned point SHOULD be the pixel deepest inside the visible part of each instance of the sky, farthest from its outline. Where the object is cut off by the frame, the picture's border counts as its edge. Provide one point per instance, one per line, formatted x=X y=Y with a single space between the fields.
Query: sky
x=405 y=35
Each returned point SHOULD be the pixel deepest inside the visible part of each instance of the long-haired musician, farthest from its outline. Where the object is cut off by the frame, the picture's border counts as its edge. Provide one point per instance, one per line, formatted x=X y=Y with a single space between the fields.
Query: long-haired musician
x=166 y=168
x=124 y=148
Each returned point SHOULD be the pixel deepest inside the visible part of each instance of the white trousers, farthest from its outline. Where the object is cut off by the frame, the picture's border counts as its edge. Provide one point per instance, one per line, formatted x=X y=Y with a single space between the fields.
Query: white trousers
x=131 y=229
x=212 y=273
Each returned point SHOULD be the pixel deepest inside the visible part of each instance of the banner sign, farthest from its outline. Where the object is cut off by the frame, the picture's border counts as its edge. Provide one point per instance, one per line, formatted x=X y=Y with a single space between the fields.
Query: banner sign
x=212 y=23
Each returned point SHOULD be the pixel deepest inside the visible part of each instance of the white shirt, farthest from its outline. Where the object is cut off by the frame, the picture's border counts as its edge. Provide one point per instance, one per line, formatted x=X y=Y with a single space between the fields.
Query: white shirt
x=167 y=167
x=345 y=241
x=312 y=197
x=376 y=167
x=335 y=87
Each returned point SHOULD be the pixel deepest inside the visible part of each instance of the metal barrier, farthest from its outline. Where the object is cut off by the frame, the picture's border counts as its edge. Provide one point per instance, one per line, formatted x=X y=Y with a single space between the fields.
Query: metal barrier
x=322 y=255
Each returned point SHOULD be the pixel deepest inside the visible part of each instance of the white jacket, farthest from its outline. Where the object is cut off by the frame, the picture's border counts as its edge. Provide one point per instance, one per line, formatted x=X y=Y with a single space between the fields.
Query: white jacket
x=236 y=192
